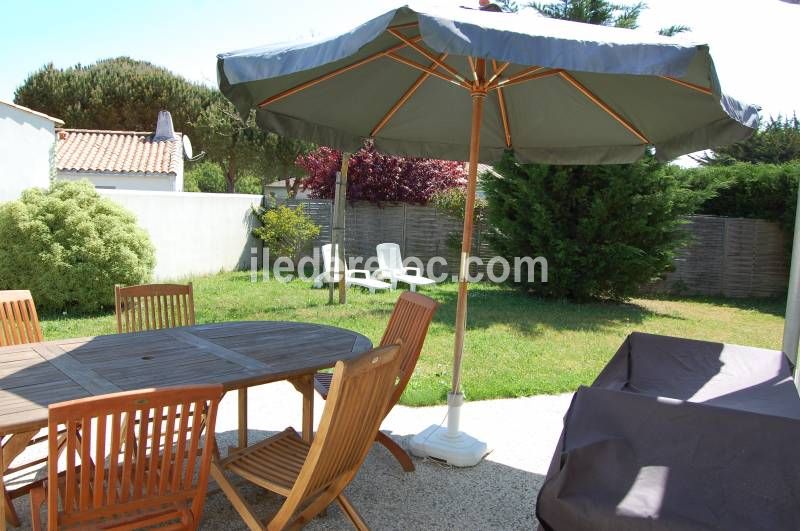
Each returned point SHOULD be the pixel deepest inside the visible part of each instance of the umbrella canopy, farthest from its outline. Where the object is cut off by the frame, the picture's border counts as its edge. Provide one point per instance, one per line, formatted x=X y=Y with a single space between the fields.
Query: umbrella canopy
x=559 y=92
x=416 y=79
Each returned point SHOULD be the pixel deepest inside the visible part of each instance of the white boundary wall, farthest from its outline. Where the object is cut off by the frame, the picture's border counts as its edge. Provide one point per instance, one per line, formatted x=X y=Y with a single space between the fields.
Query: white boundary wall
x=193 y=233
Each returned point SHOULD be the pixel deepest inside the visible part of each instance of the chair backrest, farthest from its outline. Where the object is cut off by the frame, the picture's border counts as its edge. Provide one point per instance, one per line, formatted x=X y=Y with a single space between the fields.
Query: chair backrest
x=408 y=327
x=389 y=257
x=329 y=263
x=353 y=413
x=150 y=438
x=19 y=322
x=153 y=306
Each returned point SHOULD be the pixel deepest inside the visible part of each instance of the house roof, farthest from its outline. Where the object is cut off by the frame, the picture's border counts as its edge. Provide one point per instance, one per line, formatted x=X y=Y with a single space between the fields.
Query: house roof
x=31 y=111
x=117 y=152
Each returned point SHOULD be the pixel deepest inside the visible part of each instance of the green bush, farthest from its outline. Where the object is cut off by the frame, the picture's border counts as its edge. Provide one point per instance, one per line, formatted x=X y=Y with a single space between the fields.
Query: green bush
x=453 y=200
x=744 y=190
x=285 y=230
x=604 y=230
x=208 y=177
x=69 y=246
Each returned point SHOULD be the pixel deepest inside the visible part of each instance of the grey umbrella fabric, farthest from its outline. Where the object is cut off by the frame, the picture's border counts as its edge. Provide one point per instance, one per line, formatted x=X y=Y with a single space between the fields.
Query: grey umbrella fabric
x=596 y=94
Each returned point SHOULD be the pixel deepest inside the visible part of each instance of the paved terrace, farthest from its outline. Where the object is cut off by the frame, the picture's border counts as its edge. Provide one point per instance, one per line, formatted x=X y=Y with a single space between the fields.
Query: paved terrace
x=499 y=493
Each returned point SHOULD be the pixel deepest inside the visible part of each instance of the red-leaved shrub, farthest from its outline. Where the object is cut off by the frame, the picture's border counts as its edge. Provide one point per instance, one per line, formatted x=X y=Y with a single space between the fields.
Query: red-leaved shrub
x=375 y=176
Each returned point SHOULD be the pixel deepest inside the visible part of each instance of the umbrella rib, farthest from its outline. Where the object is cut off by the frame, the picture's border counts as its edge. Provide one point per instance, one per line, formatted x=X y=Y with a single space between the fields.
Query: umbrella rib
x=472 y=68
x=405 y=97
x=501 y=101
x=534 y=72
x=497 y=71
x=698 y=88
x=422 y=68
x=334 y=73
x=603 y=105
x=415 y=44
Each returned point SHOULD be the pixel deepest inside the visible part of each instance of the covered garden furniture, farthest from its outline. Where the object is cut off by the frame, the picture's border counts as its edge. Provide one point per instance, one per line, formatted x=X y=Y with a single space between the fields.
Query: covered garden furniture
x=679 y=434
x=390 y=267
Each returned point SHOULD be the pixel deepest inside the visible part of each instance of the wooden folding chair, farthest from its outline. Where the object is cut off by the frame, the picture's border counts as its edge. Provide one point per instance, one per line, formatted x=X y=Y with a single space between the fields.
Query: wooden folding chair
x=408 y=327
x=153 y=306
x=312 y=476
x=19 y=324
x=160 y=484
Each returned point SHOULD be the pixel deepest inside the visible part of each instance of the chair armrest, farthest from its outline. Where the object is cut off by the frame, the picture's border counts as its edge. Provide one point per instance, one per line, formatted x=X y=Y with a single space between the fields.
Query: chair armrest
x=381 y=271
x=352 y=272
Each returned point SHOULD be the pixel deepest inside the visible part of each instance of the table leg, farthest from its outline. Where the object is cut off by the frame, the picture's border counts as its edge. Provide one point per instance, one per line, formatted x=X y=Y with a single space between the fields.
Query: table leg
x=305 y=385
x=14 y=446
x=242 y=437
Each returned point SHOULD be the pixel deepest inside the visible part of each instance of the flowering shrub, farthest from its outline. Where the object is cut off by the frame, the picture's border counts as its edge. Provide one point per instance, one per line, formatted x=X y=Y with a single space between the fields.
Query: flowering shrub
x=375 y=176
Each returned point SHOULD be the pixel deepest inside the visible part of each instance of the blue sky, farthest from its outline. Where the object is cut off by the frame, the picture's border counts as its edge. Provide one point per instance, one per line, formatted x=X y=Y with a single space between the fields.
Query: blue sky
x=754 y=43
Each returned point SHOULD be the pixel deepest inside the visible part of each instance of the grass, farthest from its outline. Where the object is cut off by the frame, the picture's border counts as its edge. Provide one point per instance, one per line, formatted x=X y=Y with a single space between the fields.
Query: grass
x=516 y=345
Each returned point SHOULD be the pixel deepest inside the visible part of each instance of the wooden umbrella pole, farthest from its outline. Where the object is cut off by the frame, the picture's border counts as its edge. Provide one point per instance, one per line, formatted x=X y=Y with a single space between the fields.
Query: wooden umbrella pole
x=478 y=97
x=337 y=232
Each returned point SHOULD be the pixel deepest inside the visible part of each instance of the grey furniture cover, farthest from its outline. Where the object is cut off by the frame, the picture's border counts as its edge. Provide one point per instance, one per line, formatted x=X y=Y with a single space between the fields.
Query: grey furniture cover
x=679 y=434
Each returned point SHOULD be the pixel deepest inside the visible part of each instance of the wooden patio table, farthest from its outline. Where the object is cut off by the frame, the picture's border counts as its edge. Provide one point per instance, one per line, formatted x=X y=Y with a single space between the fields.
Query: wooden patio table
x=237 y=355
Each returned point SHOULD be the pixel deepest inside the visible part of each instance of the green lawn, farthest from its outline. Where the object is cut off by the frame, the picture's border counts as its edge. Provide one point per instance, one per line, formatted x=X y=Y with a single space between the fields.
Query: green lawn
x=516 y=345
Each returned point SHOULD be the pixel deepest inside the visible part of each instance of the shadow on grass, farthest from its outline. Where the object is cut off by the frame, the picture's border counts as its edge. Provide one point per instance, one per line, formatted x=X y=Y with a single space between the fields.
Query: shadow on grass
x=528 y=314
x=773 y=306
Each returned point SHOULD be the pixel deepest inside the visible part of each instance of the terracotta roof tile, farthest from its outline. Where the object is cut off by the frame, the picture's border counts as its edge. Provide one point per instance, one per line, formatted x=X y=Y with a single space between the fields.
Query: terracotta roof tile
x=84 y=150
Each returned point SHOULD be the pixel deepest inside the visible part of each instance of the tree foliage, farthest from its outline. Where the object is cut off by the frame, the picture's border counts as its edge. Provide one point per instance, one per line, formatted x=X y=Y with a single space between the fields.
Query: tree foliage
x=748 y=190
x=599 y=12
x=283 y=156
x=70 y=246
x=375 y=176
x=604 y=230
x=776 y=142
x=120 y=94
x=238 y=146
x=208 y=177
x=125 y=94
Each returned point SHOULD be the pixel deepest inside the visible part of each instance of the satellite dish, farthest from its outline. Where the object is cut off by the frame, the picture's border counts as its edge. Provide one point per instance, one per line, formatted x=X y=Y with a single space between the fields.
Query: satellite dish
x=187 y=147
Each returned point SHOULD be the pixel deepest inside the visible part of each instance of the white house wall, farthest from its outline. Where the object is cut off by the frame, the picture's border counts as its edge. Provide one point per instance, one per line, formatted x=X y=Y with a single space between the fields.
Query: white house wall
x=27 y=150
x=193 y=233
x=155 y=182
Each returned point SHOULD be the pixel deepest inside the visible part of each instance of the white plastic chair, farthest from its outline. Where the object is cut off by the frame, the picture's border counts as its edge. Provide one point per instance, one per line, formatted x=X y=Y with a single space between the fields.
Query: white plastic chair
x=390 y=266
x=330 y=273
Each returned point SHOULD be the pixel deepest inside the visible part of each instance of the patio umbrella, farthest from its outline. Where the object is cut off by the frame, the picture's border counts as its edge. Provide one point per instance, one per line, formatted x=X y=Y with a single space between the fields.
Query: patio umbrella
x=468 y=84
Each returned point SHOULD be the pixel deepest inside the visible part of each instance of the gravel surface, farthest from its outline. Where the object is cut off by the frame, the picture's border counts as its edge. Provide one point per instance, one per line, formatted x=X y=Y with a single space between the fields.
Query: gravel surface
x=498 y=493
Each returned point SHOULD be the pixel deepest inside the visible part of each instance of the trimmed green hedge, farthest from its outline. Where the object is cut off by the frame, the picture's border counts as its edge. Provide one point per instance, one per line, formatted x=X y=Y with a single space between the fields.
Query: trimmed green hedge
x=745 y=190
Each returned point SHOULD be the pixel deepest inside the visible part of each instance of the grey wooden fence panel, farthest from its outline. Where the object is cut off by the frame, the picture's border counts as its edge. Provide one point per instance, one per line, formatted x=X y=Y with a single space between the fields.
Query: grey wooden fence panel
x=733 y=257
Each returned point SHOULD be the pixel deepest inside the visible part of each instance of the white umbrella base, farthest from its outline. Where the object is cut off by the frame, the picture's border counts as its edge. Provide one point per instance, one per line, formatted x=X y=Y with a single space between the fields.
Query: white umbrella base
x=460 y=450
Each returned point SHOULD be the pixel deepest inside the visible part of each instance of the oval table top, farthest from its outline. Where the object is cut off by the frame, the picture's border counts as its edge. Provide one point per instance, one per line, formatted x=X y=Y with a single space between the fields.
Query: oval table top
x=235 y=354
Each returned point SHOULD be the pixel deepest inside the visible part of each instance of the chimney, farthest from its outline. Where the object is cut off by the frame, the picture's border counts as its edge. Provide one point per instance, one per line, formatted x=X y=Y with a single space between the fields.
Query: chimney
x=164 y=129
